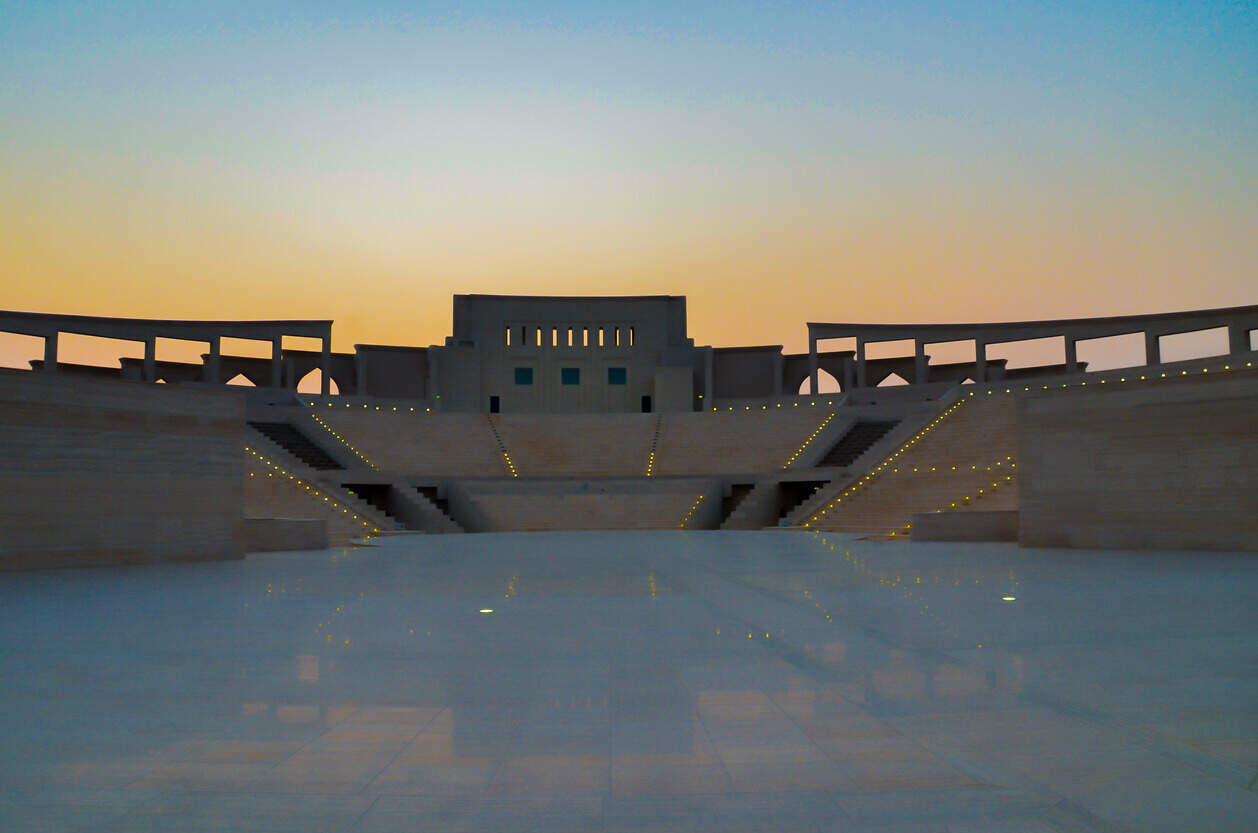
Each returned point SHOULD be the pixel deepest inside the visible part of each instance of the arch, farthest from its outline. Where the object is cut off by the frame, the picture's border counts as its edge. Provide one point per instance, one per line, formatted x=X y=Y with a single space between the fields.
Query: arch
x=241 y=380
x=892 y=380
x=312 y=382
x=825 y=382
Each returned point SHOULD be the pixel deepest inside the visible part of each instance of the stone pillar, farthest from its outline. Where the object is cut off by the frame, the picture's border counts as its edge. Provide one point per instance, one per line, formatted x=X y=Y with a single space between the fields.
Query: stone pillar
x=360 y=372
x=1238 y=339
x=50 y=352
x=862 y=379
x=779 y=367
x=433 y=390
x=1152 y=349
x=980 y=362
x=277 y=362
x=708 y=383
x=211 y=371
x=921 y=364
x=325 y=364
x=812 y=364
x=1072 y=356
x=849 y=374
x=150 y=359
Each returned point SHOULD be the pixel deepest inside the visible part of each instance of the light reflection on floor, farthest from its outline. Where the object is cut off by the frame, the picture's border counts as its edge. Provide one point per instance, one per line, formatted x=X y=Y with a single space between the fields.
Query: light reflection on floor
x=635 y=681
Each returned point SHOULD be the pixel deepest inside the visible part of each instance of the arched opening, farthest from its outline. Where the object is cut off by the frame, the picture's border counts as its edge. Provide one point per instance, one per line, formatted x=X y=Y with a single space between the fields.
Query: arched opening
x=312 y=383
x=894 y=380
x=825 y=382
x=241 y=380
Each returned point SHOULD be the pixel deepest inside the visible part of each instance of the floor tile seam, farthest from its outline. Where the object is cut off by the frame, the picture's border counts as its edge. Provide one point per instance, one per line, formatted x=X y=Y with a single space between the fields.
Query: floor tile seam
x=358 y=822
x=392 y=760
x=967 y=768
x=1229 y=772
x=812 y=740
x=707 y=732
x=964 y=763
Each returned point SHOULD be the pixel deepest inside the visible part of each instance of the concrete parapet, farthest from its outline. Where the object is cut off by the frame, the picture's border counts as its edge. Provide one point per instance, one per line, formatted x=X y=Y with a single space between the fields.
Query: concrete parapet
x=280 y=534
x=966 y=526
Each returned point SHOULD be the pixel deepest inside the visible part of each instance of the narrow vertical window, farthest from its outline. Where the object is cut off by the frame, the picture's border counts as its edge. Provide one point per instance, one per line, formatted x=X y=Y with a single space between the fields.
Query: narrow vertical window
x=539 y=336
x=617 y=336
x=585 y=336
x=600 y=336
x=554 y=336
x=508 y=336
x=631 y=336
x=569 y=336
x=524 y=336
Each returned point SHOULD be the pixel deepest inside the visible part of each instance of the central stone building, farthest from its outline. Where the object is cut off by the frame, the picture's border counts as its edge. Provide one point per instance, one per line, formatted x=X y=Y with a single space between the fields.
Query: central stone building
x=519 y=354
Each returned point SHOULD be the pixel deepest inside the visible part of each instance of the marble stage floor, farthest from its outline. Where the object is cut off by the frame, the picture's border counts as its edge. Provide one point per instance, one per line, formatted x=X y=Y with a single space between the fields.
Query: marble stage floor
x=665 y=681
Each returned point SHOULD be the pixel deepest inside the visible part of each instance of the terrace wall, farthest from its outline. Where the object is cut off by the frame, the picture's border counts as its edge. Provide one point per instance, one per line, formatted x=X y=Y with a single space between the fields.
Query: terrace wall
x=1165 y=464
x=101 y=472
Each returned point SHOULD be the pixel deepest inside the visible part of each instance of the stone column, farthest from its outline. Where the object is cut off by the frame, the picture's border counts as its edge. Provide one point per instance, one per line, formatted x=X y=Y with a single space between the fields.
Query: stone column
x=980 y=361
x=150 y=359
x=849 y=374
x=1152 y=349
x=212 y=361
x=779 y=367
x=921 y=364
x=325 y=364
x=1072 y=356
x=433 y=389
x=50 y=352
x=862 y=379
x=708 y=385
x=812 y=363
x=1238 y=339
x=277 y=364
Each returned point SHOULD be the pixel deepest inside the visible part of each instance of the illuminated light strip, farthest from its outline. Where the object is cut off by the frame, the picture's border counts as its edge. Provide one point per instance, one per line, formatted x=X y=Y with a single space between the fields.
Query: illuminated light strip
x=344 y=441
x=808 y=441
x=314 y=492
x=690 y=513
x=502 y=447
x=874 y=472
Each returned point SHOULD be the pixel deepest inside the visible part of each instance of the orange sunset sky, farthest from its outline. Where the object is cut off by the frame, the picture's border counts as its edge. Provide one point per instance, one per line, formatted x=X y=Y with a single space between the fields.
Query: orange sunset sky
x=881 y=163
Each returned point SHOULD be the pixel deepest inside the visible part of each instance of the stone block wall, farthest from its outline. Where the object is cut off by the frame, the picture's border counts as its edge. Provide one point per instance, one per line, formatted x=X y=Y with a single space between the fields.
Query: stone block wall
x=99 y=472
x=1162 y=464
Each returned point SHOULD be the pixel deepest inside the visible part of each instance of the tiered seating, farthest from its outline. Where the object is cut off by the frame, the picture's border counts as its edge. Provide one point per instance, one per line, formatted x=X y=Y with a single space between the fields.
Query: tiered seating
x=539 y=507
x=968 y=450
x=859 y=439
x=587 y=445
x=271 y=495
x=425 y=445
x=734 y=441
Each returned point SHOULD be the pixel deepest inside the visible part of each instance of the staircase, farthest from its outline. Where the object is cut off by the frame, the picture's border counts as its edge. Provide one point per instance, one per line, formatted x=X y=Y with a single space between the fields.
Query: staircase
x=436 y=511
x=737 y=492
x=859 y=439
x=296 y=466
x=297 y=444
x=795 y=493
x=377 y=495
x=502 y=447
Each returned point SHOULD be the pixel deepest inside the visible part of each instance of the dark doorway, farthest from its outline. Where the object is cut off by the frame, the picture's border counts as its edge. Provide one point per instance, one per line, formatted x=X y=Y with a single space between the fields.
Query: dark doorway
x=646 y=404
x=493 y=405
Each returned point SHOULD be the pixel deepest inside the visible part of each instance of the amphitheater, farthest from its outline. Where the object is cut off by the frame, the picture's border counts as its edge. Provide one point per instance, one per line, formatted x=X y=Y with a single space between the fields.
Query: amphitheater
x=569 y=570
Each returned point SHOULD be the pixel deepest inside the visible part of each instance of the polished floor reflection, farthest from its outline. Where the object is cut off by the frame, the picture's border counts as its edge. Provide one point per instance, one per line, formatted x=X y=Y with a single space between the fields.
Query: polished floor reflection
x=662 y=681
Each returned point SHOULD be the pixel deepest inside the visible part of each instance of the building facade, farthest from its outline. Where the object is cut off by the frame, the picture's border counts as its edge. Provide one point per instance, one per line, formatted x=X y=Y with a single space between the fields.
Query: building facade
x=567 y=355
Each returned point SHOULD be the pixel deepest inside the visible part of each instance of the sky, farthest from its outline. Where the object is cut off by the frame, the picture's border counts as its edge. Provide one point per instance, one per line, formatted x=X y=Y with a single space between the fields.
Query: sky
x=876 y=162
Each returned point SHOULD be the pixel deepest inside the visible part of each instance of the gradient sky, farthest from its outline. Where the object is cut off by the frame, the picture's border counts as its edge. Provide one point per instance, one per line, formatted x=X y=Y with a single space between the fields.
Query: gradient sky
x=880 y=162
